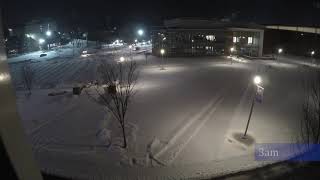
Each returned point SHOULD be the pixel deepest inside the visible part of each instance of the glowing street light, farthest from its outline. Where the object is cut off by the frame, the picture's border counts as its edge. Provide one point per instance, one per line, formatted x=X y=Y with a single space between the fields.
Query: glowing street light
x=130 y=47
x=280 y=50
x=140 y=32
x=162 y=52
x=312 y=53
x=257 y=80
x=312 y=59
x=136 y=40
x=48 y=33
x=232 y=49
x=41 y=41
x=122 y=59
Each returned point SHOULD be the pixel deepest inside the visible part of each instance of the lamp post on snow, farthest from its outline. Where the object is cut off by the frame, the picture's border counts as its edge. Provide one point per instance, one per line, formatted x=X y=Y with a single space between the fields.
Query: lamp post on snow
x=130 y=48
x=232 y=49
x=258 y=91
x=41 y=41
x=280 y=50
x=162 y=52
x=312 y=54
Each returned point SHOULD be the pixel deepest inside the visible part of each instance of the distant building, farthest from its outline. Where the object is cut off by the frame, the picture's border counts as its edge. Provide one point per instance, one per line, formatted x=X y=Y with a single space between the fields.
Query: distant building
x=41 y=33
x=196 y=37
x=296 y=40
x=40 y=26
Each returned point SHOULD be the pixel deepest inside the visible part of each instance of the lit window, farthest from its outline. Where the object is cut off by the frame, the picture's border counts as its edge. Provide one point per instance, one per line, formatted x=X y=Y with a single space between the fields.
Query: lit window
x=210 y=37
x=234 y=39
x=250 y=40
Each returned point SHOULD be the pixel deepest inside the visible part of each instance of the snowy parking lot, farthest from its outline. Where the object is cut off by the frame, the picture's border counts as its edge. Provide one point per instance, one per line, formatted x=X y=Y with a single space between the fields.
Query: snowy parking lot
x=183 y=122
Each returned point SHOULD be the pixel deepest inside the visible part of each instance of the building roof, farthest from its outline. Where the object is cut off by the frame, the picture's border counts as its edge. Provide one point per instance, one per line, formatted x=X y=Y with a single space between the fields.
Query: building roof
x=191 y=23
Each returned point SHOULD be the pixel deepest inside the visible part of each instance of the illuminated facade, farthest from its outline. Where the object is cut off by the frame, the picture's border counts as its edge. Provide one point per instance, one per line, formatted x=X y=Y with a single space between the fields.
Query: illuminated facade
x=189 y=37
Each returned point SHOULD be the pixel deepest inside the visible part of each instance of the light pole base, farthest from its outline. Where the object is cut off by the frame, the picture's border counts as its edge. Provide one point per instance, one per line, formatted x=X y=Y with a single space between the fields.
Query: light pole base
x=244 y=137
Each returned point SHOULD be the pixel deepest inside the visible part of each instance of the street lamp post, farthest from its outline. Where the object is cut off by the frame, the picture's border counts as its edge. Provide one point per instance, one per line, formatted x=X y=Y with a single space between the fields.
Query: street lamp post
x=232 y=49
x=48 y=33
x=130 y=47
x=41 y=41
x=280 y=50
x=162 y=52
x=257 y=80
x=86 y=36
x=312 y=59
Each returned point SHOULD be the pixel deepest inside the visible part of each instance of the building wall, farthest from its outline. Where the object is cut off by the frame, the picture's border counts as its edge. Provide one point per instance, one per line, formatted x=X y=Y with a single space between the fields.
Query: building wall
x=292 y=42
x=206 y=42
x=189 y=42
x=248 y=42
x=37 y=27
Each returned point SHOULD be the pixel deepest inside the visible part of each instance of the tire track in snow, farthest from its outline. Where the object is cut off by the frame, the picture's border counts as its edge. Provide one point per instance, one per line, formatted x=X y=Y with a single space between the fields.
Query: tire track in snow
x=76 y=75
x=197 y=121
x=51 y=73
x=181 y=146
x=76 y=69
x=39 y=138
x=57 y=76
x=84 y=72
x=72 y=67
x=44 y=69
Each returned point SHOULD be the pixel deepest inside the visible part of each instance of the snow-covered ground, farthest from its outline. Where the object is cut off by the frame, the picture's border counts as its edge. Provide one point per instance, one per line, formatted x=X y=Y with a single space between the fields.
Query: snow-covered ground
x=185 y=121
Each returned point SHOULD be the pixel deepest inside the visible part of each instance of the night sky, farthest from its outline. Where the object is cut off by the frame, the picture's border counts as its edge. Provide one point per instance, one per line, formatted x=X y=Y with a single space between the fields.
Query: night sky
x=94 y=13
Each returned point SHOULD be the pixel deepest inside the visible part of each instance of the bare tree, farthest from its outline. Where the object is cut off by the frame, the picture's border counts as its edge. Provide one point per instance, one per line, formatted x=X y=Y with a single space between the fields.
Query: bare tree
x=310 y=123
x=27 y=77
x=116 y=89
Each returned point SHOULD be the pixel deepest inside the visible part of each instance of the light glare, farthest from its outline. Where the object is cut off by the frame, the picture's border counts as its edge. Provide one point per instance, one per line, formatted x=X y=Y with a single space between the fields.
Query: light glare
x=140 y=32
x=162 y=51
x=257 y=80
x=41 y=41
x=48 y=33
x=312 y=52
